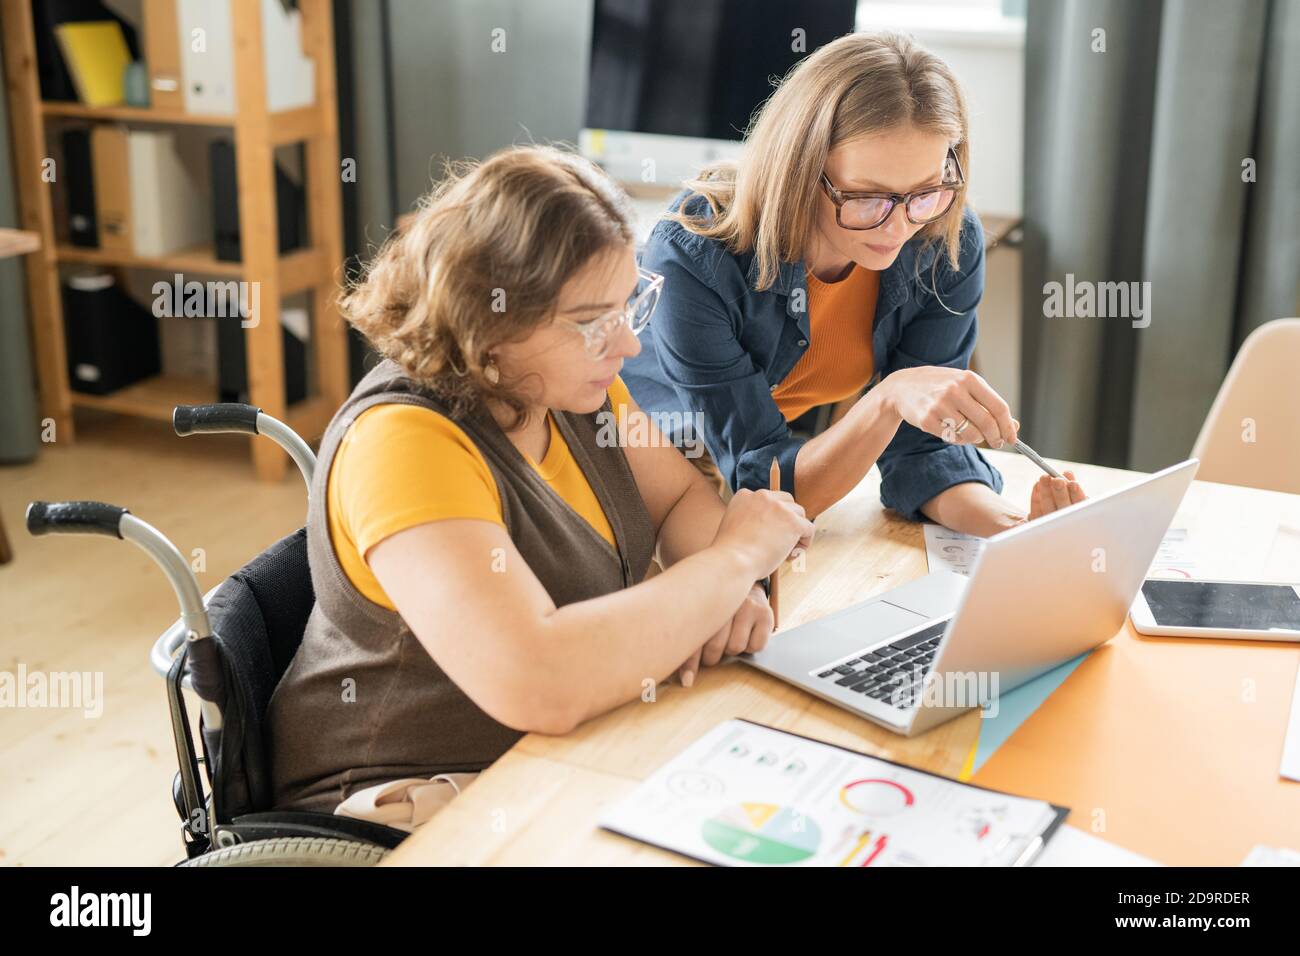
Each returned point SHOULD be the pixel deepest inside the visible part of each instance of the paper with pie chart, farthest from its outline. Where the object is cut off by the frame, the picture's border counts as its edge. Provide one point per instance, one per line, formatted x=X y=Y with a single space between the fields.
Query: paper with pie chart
x=945 y=548
x=749 y=795
x=956 y=552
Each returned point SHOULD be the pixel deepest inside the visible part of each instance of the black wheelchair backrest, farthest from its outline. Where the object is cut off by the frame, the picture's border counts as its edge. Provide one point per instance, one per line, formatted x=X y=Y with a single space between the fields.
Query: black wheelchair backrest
x=258 y=615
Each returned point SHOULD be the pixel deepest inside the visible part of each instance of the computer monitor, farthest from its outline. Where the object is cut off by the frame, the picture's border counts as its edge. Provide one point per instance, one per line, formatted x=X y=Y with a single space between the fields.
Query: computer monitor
x=673 y=83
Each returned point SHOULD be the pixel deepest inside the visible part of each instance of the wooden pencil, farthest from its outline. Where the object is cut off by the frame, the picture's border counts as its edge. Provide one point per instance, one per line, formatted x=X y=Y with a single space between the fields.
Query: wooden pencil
x=774 y=582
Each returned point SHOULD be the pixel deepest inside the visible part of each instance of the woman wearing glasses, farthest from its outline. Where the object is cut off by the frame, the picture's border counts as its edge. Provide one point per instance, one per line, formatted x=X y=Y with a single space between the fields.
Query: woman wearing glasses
x=838 y=255
x=478 y=546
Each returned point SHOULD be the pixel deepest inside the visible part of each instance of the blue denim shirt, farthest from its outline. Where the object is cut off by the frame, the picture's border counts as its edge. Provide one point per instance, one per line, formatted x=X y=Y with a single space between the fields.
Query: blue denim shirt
x=717 y=347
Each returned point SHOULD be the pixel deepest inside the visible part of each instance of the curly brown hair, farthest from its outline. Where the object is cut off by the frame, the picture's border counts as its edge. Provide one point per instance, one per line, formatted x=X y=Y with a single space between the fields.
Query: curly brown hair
x=481 y=263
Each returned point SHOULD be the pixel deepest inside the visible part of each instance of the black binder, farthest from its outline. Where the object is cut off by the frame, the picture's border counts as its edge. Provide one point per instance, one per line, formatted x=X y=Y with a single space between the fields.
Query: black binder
x=79 y=177
x=289 y=205
x=232 y=363
x=232 y=353
x=112 y=340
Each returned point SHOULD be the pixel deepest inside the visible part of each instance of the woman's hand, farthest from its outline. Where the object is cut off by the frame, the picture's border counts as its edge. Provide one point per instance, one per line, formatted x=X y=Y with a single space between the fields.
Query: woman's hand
x=1052 y=494
x=956 y=405
x=747 y=632
x=763 y=528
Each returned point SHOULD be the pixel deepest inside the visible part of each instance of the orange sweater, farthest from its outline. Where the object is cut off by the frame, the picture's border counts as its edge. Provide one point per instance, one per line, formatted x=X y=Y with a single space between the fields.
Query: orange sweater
x=839 y=361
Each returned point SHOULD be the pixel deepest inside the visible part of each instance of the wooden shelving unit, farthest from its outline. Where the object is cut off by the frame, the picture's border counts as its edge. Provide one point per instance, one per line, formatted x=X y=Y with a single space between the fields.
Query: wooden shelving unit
x=138 y=114
x=257 y=132
x=14 y=242
x=151 y=398
x=199 y=260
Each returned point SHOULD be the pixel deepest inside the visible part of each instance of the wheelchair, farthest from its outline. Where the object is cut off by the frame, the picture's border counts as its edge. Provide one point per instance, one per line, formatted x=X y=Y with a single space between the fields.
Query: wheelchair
x=230 y=647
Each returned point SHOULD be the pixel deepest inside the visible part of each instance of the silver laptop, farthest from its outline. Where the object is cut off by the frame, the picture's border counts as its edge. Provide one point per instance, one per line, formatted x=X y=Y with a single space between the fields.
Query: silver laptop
x=1039 y=595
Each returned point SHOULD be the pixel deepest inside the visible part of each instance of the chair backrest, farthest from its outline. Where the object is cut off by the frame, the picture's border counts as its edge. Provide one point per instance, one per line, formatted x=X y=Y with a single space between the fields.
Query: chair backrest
x=1252 y=435
x=279 y=580
x=258 y=614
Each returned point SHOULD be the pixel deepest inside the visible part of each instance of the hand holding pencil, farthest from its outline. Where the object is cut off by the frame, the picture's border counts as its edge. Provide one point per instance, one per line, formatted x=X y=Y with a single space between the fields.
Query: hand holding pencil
x=1054 y=490
x=764 y=528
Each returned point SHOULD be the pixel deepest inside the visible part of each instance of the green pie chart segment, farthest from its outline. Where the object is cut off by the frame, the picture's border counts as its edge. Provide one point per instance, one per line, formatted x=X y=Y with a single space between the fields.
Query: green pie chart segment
x=762 y=833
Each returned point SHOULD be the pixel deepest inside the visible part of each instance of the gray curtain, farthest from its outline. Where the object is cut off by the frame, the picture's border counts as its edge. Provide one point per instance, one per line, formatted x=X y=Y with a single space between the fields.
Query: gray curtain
x=372 y=120
x=452 y=97
x=19 y=420
x=426 y=85
x=1134 y=173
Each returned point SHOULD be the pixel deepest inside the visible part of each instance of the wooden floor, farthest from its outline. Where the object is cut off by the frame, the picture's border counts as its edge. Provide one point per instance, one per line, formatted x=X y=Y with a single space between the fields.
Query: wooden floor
x=78 y=790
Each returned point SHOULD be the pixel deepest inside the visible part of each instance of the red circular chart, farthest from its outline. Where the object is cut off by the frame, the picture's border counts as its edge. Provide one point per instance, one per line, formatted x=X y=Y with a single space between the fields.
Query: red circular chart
x=876 y=797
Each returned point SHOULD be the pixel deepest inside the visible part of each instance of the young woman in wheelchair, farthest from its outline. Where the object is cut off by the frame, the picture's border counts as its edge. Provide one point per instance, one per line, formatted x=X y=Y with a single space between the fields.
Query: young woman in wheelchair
x=481 y=522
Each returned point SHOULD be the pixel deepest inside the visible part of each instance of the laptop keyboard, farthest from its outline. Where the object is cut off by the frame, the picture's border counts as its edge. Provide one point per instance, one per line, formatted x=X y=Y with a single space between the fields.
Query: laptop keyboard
x=890 y=673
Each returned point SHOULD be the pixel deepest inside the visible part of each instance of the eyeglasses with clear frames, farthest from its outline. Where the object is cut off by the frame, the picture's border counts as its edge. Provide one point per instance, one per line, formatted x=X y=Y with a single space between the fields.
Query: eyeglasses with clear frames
x=598 y=333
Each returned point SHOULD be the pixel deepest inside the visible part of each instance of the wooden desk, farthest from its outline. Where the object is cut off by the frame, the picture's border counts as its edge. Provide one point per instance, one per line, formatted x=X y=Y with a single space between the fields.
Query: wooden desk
x=17 y=242
x=540 y=802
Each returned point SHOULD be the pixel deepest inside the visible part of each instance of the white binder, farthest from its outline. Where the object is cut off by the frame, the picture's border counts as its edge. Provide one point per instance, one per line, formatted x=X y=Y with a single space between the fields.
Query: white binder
x=207 y=45
x=290 y=76
x=206 y=37
x=169 y=206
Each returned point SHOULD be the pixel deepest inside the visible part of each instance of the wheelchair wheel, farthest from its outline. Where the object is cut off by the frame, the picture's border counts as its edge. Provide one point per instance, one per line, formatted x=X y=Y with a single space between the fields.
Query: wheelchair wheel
x=294 y=851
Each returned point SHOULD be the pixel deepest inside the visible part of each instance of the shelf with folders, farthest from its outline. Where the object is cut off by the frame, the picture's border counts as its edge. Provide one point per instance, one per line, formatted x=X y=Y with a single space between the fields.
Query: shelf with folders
x=299 y=269
x=257 y=127
x=285 y=126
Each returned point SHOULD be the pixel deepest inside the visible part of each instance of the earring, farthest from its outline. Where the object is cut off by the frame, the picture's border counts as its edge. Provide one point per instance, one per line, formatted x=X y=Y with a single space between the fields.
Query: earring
x=491 y=372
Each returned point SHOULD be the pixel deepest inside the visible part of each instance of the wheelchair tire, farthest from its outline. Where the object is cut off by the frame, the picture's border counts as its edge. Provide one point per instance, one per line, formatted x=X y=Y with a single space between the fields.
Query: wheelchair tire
x=294 y=851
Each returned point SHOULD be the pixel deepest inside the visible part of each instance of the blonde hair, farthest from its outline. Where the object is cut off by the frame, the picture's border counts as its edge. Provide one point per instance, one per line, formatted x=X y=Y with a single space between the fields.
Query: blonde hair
x=858 y=84
x=482 y=263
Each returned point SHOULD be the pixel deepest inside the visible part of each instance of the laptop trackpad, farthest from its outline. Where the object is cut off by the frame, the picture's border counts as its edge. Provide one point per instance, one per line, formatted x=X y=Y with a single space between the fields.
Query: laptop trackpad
x=861 y=626
x=813 y=644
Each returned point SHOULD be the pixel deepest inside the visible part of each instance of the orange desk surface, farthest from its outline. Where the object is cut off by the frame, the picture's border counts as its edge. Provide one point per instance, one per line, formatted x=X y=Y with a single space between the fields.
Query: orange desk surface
x=1165 y=746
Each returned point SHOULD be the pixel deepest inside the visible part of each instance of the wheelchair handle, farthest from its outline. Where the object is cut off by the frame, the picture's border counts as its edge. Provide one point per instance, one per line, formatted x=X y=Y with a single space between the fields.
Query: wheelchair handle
x=248 y=420
x=96 y=517
x=225 y=417
x=74 y=517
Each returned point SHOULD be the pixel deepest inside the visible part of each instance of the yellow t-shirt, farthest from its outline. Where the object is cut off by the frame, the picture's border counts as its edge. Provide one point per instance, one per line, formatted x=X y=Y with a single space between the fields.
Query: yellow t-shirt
x=400 y=466
x=839 y=362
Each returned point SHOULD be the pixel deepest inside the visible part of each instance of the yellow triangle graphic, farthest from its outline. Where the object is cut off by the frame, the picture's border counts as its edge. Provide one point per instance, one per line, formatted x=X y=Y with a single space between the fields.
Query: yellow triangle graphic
x=759 y=813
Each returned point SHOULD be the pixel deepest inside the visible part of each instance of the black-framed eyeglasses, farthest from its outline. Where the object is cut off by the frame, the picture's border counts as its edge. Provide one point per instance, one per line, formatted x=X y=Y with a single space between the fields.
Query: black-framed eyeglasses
x=867 y=210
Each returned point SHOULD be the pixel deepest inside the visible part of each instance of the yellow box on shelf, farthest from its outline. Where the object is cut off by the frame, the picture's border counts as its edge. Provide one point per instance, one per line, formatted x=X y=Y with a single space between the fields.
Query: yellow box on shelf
x=96 y=56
